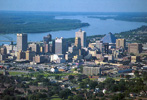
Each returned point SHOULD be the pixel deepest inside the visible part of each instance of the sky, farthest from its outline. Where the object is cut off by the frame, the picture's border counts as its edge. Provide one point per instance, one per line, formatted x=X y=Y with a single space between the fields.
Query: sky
x=75 y=5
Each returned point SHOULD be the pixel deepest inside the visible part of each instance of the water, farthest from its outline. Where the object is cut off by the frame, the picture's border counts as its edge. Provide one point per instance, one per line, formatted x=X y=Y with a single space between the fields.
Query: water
x=96 y=27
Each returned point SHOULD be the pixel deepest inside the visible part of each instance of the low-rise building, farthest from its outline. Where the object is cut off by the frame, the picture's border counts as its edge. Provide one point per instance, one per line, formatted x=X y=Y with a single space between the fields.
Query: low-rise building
x=91 y=70
x=135 y=59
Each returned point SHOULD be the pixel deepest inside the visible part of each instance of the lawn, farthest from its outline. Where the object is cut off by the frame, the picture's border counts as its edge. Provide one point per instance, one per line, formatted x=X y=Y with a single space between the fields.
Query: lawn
x=46 y=74
x=14 y=73
x=55 y=97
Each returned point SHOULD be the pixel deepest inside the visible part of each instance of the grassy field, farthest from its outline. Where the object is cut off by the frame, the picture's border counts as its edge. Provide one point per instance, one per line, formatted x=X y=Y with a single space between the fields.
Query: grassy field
x=14 y=73
x=35 y=22
x=46 y=74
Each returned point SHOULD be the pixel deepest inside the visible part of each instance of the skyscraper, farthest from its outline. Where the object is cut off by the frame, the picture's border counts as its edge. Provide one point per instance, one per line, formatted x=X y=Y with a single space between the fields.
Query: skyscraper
x=52 y=46
x=47 y=38
x=22 y=42
x=46 y=41
x=78 y=42
x=120 y=43
x=60 y=46
x=46 y=48
x=82 y=35
x=3 y=50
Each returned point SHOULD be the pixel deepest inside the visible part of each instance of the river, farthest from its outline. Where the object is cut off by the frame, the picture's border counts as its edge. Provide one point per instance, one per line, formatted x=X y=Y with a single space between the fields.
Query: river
x=96 y=27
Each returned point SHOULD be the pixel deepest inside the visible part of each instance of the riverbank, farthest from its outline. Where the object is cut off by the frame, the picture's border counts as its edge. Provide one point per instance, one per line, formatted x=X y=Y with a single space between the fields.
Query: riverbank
x=97 y=27
x=35 y=23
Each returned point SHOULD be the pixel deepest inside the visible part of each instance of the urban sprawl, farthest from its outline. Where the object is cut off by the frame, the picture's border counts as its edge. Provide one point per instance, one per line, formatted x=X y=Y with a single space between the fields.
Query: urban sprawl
x=109 y=68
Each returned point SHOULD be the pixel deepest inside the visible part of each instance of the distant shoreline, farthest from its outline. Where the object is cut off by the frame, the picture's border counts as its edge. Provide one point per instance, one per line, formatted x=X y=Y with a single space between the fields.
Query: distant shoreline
x=13 y=22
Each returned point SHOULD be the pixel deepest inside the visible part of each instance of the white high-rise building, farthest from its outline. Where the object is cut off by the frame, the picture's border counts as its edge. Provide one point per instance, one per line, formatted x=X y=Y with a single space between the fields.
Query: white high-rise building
x=82 y=35
x=60 y=46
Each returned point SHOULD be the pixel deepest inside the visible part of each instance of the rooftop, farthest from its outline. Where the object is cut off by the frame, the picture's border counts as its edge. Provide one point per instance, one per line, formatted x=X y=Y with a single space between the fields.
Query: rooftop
x=109 y=38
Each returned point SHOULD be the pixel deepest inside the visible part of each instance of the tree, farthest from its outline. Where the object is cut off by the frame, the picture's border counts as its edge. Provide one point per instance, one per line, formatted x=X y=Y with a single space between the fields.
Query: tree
x=70 y=98
x=39 y=77
x=70 y=77
x=57 y=77
x=7 y=97
x=136 y=73
x=41 y=95
x=118 y=97
x=82 y=85
x=128 y=77
x=144 y=74
x=64 y=93
x=77 y=97
x=121 y=85
x=100 y=94
x=81 y=68
x=109 y=81
x=93 y=84
x=114 y=88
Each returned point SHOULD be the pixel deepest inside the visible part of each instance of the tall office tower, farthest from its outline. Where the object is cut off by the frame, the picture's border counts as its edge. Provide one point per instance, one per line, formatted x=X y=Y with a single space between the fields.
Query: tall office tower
x=78 y=42
x=99 y=45
x=47 y=38
x=46 y=41
x=120 y=43
x=106 y=48
x=46 y=48
x=82 y=35
x=34 y=47
x=3 y=50
x=2 y=57
x=52 y=46
x=22 y=42
x=29 y=55
x=60 y=46
x=134 y=48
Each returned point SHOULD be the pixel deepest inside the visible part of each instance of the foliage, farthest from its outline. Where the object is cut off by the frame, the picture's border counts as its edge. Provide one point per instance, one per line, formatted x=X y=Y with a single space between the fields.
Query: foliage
x=16 y=22
x=118 y=97
x=64 y=93
x=57 y=77
x=78 y=97
x=70 y=77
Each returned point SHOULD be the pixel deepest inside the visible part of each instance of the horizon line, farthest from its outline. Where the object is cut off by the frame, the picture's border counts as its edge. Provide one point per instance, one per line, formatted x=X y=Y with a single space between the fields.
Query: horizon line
x=67 y=11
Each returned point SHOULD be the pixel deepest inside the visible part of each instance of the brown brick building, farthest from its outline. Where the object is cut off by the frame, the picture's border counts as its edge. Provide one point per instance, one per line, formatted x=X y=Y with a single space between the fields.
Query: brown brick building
x=134 y=48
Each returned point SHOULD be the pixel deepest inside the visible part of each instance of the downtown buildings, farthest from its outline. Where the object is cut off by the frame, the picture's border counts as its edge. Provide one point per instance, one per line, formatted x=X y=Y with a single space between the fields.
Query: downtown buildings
x=82 y=35
x=22 y=42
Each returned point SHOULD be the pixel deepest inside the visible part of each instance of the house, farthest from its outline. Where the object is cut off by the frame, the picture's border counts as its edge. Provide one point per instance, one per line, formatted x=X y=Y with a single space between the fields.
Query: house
x=54 y=70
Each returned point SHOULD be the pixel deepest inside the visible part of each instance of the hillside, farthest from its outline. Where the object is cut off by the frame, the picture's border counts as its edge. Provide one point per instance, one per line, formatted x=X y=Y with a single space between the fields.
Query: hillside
x=138 y=35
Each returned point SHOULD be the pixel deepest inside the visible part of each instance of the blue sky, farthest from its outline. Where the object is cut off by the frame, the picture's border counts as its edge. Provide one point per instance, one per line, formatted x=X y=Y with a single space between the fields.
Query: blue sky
x=75 y=5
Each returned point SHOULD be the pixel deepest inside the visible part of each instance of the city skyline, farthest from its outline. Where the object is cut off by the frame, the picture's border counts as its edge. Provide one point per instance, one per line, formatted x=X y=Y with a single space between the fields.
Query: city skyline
x=74 y=5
